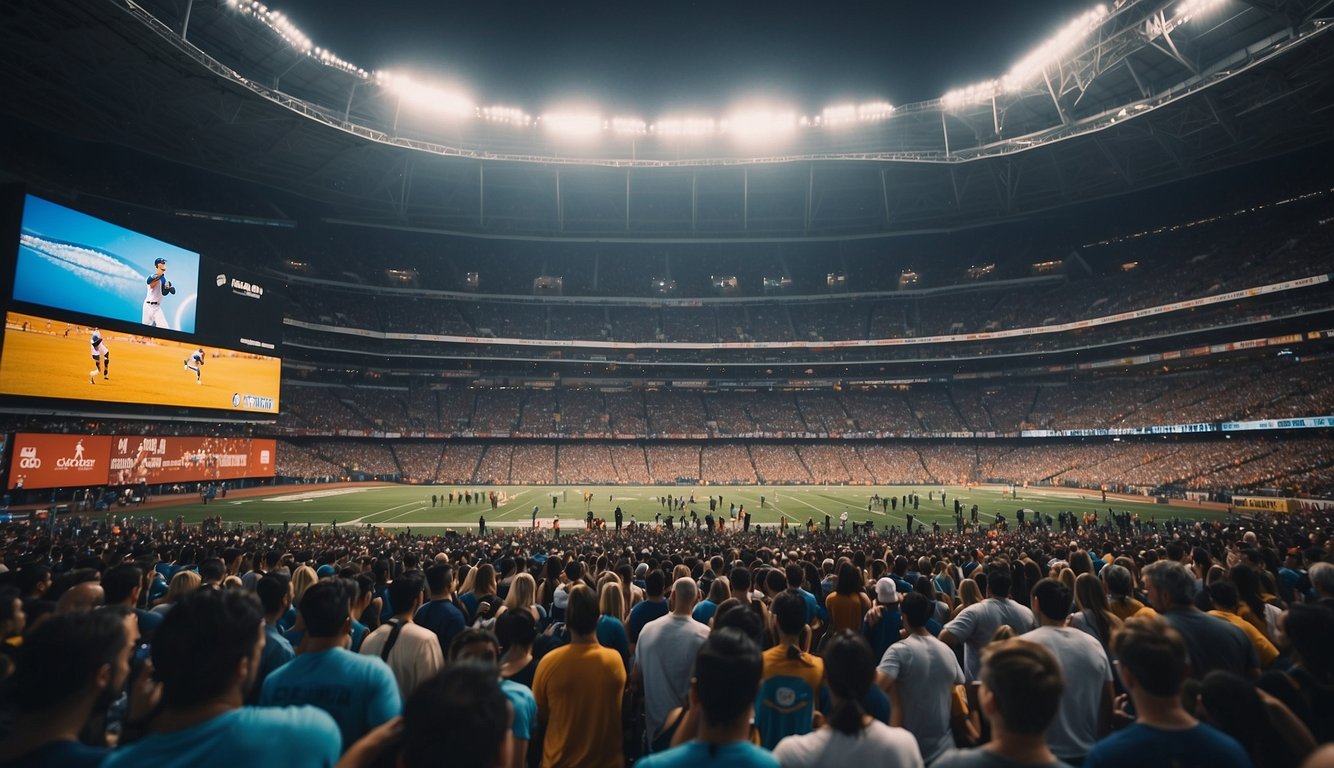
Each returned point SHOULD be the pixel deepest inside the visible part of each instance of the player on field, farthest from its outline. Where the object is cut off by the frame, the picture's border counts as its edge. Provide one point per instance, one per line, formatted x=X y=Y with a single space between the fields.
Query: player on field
x=194 y=363
x=158 y=286
x=101 y=357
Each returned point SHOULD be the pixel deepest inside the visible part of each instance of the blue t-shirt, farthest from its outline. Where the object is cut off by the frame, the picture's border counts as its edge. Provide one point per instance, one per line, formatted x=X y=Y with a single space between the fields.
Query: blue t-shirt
x=358 y=633
x=277 y=652
x=359 y=691
x=692 y=754
x=1147 y=747
x=643 y=613
x=525 y=708
x=61 y=754
x=256 y=737
x=443 y=618
x=885 y=632
x=611 y=634
x=703 y=612
x=148 y=624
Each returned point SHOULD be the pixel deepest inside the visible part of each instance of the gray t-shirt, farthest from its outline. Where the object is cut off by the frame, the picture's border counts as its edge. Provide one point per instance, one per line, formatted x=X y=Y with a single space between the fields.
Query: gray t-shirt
x=925 y=672
x=975 y=625
x=1086 y=671
x=1212 y=643
x=665 y=655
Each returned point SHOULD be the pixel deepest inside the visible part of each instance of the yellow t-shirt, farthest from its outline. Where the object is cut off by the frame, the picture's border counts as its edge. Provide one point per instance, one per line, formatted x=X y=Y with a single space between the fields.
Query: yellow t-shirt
x=578 y=689
x=1265 y=649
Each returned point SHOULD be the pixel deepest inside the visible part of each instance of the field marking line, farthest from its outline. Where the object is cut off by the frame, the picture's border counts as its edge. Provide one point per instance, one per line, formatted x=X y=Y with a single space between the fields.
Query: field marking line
x=362 y=519
x=505 y=510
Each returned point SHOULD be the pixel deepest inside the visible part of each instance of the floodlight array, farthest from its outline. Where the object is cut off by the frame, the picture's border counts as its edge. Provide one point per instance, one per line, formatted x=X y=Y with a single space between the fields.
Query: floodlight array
x=284 y=28
x=1030 y=68
x=1190 y=9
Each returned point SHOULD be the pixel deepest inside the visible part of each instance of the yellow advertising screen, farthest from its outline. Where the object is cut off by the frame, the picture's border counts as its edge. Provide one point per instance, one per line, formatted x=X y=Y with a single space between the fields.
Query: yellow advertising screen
x=56 y=359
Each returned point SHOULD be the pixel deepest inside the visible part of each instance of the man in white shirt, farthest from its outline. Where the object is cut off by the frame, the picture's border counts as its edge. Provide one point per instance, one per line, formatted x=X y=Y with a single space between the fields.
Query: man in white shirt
x=665 y=655
x=975 y=625
x=1084 y=715
x=411 y=651
x=919 y=673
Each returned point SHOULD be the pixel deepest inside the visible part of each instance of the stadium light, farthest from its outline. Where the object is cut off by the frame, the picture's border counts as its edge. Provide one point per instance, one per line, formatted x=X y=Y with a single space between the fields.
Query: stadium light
x=506 y=115
x=628 y=126
x=685 y=126
x=282 y=26
x=577 y=125
x=973 y=94
x=1190 y=9
x=760 y=123
x=454 y=103
x=1057 y=47
x=844 y=114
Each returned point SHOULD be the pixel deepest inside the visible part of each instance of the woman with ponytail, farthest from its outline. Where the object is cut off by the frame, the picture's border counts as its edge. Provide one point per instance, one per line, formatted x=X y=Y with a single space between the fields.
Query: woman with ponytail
x=849 y=736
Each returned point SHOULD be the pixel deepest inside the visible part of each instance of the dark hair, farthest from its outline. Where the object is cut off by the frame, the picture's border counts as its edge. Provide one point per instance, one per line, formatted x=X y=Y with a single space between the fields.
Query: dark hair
x=790 y=612
x=515 y=627
x=733 y=614
x=62 y=654
x=1235 y=708
x=795 y=575
x=325 y=607
x=1223 y=594
x=1310 y=627
x=1247 y=582
x=119 y=582
x=460 y=712
x=850 y=580
x=849 y=669
x=916 y=609
x=30 y=576
x=439 y=577
x=581 y=612
x=1025 y=680
x=471 y=636
x=739 y=578
x=1154 y=653
x=404 y=590
x=1053 y=598
x=203 y=638
x=271 y=588
x=212 y=569
x=998 y=579
x=727 y=675
x=655 y=583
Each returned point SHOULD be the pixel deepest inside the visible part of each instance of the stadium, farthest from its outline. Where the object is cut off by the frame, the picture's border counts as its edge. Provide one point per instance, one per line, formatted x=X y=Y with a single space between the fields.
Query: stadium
x=691 y=368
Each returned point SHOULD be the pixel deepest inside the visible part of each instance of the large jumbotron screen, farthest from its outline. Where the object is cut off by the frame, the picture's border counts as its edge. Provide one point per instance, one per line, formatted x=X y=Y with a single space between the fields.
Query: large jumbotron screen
x=92 y=318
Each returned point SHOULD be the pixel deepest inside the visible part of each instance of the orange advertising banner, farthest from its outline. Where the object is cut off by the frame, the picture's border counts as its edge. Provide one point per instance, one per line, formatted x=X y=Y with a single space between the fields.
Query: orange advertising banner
x=189 y=459
x=73 y=461
x=59 y=461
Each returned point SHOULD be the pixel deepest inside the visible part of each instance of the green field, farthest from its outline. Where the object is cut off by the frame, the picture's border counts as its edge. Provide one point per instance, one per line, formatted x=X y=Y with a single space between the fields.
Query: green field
x=409 y=506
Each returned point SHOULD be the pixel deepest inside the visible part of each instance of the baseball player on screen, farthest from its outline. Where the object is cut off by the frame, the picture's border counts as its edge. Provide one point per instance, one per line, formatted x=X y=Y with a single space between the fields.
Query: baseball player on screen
x=101 y=364
x=195 y=362
x=158 y=286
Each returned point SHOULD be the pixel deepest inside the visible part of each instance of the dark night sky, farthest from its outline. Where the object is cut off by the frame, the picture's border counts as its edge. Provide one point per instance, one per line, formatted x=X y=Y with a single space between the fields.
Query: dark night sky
x=653 y=58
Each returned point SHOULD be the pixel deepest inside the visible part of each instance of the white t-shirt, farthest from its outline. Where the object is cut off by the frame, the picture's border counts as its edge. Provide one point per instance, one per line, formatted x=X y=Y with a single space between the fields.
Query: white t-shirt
x=1086 y=670
x=975 y=625
x=415 y=657
x=877 y=745
x=925 y=672
x=665 y=655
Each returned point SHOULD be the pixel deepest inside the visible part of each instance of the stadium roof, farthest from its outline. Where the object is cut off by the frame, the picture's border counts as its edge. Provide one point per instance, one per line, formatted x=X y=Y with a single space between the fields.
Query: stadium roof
x=1149 y=93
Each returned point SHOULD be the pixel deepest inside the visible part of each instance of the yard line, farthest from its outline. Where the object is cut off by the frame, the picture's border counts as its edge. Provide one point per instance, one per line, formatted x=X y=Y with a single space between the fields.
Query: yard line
x=362 y=519
x=506 y=510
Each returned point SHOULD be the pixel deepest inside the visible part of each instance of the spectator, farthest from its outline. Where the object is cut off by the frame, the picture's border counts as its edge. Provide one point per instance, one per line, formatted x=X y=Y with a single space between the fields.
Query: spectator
x=1308 y=687
x=70 y=670
x=727 y=676
x=975 y=625
x=1266 y=729
x=883 y=624
x=611 y=629
x=441 y=614
x=275 y=596
x=848 y=603
x=850 y=736
x=1120 y=593
x=411 y=651
x=791 y=683
x=664 y=656
x=359 y=691
x=206 y=657
x=182 y=584
x=719 y=589
x=1152 y=659
x=578 y=690
x=1020 y=694
x=920 y=674
x=1226 y=607
x=480 y=646
x=1085 y=713
x=653 y=606
x=1212 y=642
x=123 y=585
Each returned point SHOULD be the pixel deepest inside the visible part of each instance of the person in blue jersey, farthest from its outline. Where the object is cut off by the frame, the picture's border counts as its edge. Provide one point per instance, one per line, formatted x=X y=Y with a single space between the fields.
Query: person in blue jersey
x=726 y=680
x=101 y=357
x=206 y=656
x=359 y=691
x=69 y=670
x=441 y=614
x=1152 y=661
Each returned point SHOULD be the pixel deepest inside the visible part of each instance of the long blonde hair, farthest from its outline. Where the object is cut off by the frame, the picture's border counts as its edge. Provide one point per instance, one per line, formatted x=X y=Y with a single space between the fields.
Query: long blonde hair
x=302 y=579
x=612 y=602
x=182 y=584
x=523 y=592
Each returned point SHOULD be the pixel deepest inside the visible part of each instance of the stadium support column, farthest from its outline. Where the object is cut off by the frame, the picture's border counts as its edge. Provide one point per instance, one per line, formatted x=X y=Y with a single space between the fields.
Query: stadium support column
x=185 y=23
x=481 y=194
x=560 y=207
x=745 y=199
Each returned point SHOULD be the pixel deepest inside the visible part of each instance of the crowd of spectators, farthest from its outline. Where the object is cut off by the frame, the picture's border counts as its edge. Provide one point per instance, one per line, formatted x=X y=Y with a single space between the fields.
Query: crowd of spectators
x=1171 y=643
